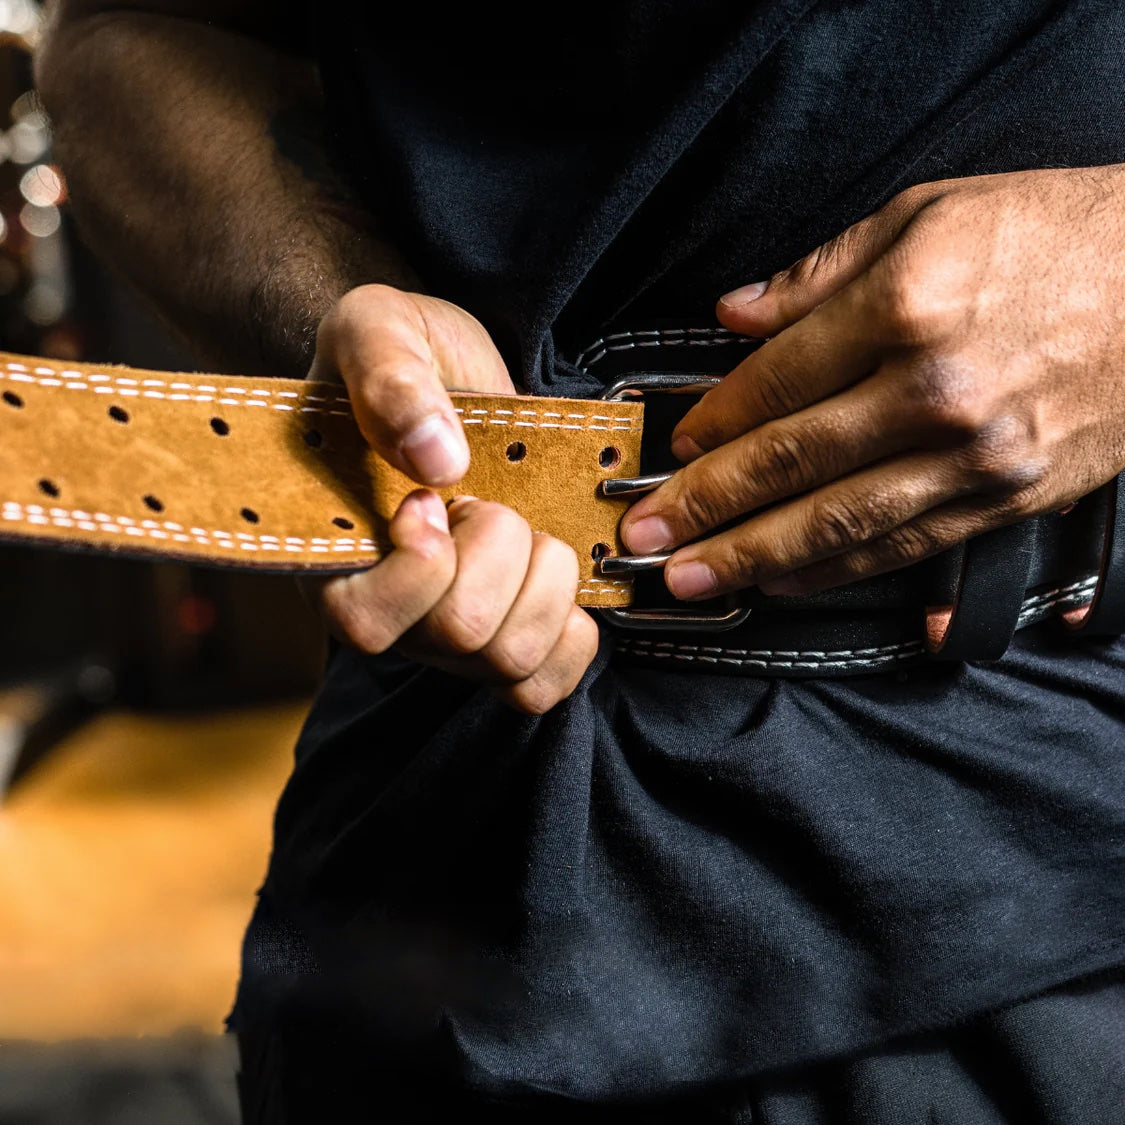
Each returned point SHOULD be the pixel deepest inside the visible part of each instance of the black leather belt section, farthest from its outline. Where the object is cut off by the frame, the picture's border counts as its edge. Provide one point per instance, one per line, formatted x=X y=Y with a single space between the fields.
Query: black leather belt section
x=1038 y=570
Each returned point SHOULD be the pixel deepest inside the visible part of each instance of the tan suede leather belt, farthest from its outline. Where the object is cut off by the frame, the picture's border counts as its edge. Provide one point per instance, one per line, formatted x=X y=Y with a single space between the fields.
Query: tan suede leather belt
x=274 y=475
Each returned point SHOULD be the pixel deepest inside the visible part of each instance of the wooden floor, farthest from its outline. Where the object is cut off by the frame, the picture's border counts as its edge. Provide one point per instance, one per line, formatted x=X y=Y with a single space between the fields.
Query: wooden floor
x=128 y=863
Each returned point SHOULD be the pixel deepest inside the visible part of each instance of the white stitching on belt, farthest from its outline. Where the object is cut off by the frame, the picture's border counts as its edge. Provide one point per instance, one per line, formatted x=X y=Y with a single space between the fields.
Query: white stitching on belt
x=37 y=516
x=629 y=424
x=1034 y=608
x=122 y=386
x=653 y=338
x=127 y=387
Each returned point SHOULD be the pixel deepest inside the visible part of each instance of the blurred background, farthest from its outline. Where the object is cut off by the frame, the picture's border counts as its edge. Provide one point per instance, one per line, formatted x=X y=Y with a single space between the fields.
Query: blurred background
x=147 y=718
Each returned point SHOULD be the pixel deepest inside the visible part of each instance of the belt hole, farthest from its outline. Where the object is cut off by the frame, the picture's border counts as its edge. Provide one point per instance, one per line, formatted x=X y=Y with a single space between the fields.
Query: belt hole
x=13 y=399
x=49 y=487
x=249 y=515
x=347 y=525
x=220 y=427
x=118 y=415
x=517 y=451
x=313 y=439
x=153 y=504
x=609 y=457
x=600 y=550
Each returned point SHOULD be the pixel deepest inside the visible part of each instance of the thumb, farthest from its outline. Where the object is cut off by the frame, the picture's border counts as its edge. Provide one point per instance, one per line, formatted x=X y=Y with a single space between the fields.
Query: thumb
x=396 y=353
x=765 y=308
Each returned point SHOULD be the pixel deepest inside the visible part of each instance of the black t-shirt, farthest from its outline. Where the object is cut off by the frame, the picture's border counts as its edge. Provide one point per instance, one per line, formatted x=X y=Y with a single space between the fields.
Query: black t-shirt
x=677 y=878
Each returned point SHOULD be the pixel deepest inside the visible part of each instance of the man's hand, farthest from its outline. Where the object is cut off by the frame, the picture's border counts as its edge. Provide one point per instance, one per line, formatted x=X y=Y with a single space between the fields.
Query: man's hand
x=948 y=365
x=172 y=87
x=473 y=590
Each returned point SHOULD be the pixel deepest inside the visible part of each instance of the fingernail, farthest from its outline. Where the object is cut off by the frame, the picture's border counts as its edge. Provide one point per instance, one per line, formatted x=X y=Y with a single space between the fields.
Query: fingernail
x=744 y=295
x=648 y=535
x=690 y=579
x=435 y=453
x=433 y=511
x=685 y=448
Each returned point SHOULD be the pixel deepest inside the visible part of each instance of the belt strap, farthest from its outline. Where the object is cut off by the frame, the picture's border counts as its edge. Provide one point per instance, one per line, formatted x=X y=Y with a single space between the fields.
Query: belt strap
x=1105 y=616
x=273 y=474
x=989 y=596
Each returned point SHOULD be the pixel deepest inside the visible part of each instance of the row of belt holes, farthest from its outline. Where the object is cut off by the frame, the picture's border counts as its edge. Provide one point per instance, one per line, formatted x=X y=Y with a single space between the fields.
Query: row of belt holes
x=608 y=458
x=153 y=503
x=222 y=428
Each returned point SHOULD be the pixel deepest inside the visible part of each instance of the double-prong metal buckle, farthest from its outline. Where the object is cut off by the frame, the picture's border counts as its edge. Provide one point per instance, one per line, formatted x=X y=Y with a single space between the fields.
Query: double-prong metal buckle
x=632 y=617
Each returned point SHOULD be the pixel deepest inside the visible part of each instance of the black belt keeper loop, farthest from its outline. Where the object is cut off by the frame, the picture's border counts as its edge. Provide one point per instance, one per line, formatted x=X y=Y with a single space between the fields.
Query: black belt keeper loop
x=1106 y=614
x=990 y=593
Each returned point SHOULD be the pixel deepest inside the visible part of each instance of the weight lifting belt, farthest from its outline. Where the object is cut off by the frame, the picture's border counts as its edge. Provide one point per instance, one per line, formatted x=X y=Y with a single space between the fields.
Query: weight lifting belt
x=273 y=475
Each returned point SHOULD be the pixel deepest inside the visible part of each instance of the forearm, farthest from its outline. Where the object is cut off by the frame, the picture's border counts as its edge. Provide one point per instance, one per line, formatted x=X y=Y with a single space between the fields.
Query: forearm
x=196 y=169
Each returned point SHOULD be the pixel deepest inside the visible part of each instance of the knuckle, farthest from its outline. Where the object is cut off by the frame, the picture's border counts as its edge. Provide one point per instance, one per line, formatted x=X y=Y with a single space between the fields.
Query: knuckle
x=493 y=522
x=1000 y=457
x=501 y=521
x=1022 y=503
x=841 y=522
x=359 y=627
x=952 y=396
x=349 y=314
x=777 y=396
x=909 y=543
x=519 y=656
x=558 y=557
x=806 y=270
x=534 y=696
x=559 y=676
x=783 y=461
x=386 y=385
x=911 y=312
x=911 y=200
x=743 y=562
x=359 y=301
x=464 y=624
x=700 y=503
x=436 y=561
x=920 y=295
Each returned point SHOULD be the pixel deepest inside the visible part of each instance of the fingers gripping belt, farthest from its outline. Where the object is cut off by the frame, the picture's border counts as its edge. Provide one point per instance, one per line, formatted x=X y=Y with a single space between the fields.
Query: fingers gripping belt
x=273 y=474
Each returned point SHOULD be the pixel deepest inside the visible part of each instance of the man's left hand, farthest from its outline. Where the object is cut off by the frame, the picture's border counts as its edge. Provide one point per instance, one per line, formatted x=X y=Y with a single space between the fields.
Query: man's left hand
x=948 y=365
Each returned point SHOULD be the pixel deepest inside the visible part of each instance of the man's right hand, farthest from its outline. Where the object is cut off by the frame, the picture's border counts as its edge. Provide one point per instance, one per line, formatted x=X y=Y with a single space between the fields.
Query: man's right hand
x=472 y=590
x=172 y=87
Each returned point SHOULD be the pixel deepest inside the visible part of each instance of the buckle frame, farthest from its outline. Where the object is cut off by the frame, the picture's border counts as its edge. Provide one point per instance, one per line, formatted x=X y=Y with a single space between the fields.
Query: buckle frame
x=637 y=385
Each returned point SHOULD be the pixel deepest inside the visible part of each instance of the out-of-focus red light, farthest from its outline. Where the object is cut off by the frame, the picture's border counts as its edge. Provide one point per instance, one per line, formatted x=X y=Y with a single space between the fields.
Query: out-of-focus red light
x=196 y=615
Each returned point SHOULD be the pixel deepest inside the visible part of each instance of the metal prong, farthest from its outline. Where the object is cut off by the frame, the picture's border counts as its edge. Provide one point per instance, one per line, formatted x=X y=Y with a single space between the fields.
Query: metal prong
x=633 y=486
x=631 y=564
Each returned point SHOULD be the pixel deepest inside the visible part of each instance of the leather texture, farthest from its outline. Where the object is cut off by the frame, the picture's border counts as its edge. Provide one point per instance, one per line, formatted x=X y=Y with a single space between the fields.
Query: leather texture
x=274 y=475
x=989 y=596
